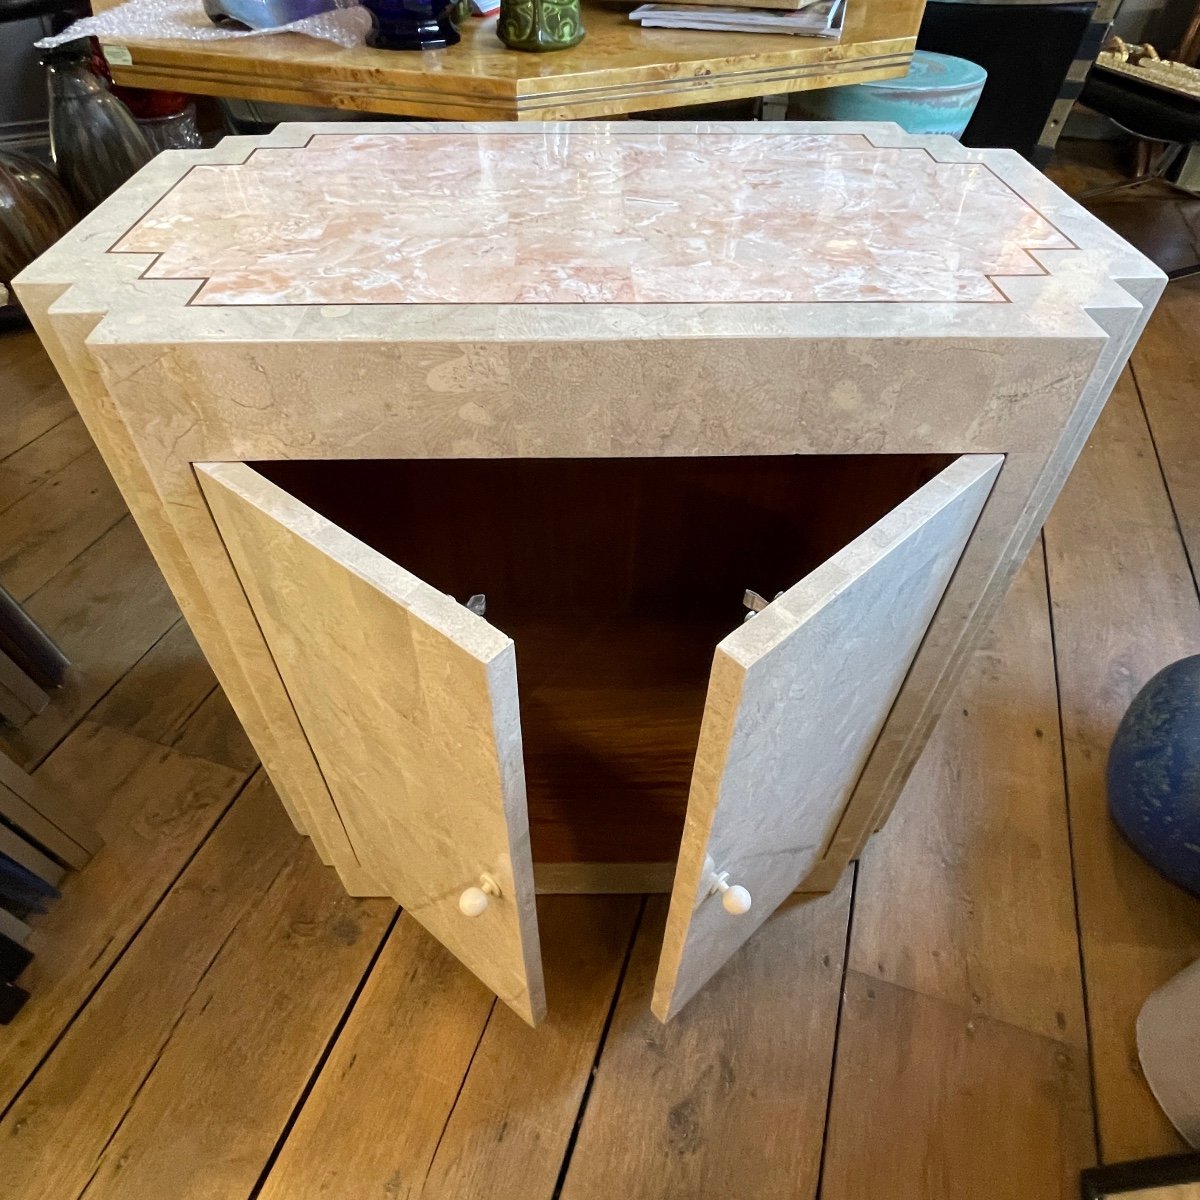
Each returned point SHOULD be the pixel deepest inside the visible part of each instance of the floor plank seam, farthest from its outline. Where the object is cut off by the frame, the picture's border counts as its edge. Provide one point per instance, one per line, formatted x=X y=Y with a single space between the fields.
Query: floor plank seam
x=1066 y=786
x=100 y=1154
x=1162 y=473
x=129 y=941
x=176 y=735
x=183 y=1012
x=856 y=867
x=30 y=597
x=37 y=487
x=99 y=954
x=462 y=1083
x=39 y=484
x=323 y=1058
x=38 y=762
x=50 y=429
x=569 y=1150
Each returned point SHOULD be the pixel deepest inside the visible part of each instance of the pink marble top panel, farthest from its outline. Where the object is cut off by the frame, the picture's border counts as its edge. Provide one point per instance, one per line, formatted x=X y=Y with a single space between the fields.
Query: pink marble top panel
x=591 y=217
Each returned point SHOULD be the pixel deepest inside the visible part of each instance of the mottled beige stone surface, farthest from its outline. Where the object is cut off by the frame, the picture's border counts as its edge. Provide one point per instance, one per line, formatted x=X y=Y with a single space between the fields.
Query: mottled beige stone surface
x=798 y=696
x=427 y=798
x=592 y=216
x=919 y=297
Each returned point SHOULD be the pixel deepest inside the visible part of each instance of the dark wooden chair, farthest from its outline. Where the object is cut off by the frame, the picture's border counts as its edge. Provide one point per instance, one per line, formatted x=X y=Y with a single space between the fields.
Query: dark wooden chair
x=1150 y=112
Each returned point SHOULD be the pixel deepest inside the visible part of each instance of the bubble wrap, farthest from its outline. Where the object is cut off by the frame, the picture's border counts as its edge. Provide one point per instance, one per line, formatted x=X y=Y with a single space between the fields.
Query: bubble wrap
x=348 y=24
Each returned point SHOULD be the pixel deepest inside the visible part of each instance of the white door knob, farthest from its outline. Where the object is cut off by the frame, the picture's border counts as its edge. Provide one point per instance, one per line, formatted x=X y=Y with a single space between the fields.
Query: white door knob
x=474 y=901
x=735 y=900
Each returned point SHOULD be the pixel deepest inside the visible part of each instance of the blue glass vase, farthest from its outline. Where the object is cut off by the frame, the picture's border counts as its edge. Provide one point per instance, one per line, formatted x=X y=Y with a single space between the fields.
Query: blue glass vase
x=411 y=24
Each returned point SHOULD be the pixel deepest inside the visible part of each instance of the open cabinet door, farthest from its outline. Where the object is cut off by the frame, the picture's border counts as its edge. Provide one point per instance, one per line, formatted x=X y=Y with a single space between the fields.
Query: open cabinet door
x=796 y=700
x=409 y=701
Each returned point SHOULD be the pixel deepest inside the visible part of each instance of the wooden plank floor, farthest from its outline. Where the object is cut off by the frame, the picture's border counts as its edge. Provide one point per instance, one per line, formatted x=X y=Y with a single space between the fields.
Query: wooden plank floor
x=212 y=1017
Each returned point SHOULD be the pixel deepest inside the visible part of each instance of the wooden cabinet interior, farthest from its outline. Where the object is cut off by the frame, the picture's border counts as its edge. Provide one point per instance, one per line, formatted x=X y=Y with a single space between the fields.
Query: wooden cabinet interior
x=616 y=578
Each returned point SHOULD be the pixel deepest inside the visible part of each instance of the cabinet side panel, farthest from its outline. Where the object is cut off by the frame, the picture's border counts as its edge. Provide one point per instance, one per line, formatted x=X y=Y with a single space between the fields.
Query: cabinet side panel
x=1030 y=489
x=226 y=632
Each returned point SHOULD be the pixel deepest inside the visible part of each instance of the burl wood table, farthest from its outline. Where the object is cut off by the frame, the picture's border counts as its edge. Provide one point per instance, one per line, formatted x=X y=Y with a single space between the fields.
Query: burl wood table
x=618 y=68
x=578 y=507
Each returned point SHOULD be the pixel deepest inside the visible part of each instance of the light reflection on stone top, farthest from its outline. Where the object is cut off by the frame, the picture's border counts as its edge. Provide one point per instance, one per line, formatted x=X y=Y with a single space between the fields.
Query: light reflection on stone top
x=626 y=217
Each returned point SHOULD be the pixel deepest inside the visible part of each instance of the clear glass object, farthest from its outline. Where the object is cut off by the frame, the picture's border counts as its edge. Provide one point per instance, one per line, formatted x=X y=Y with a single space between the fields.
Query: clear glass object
x=173 y=131
x=94 y=140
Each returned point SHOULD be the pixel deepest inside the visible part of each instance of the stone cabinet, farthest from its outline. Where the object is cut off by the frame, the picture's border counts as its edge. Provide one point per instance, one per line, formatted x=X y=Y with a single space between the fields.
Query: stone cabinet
x=589 y=507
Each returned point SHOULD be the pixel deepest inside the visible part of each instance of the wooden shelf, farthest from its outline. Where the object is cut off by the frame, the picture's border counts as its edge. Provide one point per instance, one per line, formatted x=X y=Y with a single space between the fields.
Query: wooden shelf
x=618 y=68
x=610 y=717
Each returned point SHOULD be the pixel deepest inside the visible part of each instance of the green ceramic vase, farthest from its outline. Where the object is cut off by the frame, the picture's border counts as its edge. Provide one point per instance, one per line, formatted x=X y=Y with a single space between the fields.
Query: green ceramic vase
x=540 y=24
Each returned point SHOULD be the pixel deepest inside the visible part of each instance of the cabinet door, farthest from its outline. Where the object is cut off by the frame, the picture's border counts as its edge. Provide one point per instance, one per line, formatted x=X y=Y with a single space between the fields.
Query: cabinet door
x=409 y=701
x=796 y=699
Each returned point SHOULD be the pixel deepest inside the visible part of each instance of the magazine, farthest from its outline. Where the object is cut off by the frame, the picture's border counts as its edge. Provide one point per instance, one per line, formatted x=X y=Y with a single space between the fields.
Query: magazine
x=818 y=18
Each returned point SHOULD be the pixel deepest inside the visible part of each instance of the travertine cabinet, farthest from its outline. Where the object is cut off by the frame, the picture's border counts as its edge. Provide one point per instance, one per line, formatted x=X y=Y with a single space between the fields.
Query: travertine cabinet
x=578 y=508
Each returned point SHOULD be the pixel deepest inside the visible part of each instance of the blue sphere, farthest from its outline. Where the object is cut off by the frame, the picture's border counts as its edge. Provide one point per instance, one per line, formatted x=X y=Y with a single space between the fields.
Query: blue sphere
x=1154 y=773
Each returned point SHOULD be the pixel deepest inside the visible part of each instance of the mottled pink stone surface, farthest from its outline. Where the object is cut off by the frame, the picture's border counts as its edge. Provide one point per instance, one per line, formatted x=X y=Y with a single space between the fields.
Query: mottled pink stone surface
x=591 y=217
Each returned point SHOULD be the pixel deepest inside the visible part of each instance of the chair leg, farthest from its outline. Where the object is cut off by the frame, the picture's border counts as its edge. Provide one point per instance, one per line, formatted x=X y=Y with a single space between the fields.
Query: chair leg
x=1158 y=168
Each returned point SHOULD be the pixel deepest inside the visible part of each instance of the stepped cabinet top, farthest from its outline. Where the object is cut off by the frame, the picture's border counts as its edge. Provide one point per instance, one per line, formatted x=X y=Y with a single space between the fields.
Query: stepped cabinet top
x=560 y=232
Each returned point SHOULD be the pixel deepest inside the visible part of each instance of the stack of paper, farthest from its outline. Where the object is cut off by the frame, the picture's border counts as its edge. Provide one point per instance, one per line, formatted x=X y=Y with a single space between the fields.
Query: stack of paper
x=814 y=18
